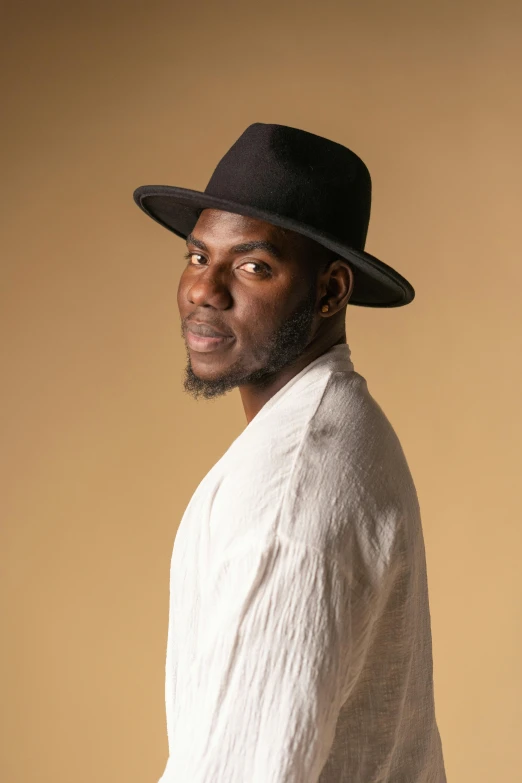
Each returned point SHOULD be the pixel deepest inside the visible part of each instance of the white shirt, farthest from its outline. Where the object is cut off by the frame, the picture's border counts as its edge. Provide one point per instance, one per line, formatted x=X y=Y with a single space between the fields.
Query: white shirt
x=299 y=640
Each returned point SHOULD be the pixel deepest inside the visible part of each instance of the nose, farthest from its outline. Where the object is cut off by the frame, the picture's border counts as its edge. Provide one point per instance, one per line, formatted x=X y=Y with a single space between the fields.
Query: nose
x=209 y=289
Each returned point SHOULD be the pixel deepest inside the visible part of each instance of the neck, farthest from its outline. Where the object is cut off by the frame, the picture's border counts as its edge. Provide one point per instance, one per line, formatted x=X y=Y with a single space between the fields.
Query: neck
x=255 y=396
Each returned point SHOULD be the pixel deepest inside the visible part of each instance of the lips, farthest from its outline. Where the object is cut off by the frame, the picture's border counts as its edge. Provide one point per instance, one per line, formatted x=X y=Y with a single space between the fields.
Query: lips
x=205 y=339
x=204 y=329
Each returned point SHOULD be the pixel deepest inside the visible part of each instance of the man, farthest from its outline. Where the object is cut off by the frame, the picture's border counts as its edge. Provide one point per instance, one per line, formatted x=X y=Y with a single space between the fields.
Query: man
x=299 y=640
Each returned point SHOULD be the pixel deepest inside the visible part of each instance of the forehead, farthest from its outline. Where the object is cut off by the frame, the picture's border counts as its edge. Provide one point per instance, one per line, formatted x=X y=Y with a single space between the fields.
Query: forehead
x=228 y=226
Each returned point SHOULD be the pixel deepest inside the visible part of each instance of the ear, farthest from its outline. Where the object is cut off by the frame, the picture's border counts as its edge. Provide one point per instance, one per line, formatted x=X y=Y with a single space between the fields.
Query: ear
x=336 y=285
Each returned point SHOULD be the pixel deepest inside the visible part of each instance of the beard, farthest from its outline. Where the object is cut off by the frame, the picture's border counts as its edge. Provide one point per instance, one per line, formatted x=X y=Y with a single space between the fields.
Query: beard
x=284 y=347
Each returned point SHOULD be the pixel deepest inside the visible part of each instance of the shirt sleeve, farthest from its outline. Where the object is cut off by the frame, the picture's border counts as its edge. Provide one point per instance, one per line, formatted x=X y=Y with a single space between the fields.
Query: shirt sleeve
x=265 y=687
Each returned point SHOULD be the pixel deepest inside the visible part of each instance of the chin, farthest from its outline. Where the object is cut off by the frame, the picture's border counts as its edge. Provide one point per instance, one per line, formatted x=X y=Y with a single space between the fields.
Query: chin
x=208 y=363
x=210 y=377
x=210 y=366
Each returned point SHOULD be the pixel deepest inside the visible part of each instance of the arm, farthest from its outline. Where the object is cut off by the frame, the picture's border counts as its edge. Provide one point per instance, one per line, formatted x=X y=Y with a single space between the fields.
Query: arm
x=265 y=688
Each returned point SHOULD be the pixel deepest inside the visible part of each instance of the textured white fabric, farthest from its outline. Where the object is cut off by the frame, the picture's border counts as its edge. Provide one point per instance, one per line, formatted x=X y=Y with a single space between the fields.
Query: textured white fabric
x=299 y=640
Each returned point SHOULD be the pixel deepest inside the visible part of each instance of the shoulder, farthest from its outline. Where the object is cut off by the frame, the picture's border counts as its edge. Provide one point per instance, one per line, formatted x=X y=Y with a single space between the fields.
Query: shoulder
x=351 y=489
x=349 y=437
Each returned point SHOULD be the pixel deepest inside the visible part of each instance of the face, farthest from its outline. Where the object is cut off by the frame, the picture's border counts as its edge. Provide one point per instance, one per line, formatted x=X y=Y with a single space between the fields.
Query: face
x=254 y=283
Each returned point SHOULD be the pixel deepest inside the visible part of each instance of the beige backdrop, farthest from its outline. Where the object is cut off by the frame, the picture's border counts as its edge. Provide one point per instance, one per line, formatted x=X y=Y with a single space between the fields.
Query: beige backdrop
x=102 y=449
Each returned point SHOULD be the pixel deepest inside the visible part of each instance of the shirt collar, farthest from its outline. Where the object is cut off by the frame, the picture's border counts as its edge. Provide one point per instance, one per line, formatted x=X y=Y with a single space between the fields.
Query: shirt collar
x=336 y=359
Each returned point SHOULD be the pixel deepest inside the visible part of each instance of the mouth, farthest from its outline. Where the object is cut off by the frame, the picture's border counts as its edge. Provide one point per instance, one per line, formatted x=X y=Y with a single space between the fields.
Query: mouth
x=203 y=338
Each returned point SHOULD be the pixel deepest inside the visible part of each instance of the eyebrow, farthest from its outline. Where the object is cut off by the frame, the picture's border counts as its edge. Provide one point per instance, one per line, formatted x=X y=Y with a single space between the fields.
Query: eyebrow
x=244 y=247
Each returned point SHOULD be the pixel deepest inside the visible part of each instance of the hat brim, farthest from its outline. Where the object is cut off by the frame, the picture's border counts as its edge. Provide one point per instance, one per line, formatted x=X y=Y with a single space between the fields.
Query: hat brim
x=375 y=283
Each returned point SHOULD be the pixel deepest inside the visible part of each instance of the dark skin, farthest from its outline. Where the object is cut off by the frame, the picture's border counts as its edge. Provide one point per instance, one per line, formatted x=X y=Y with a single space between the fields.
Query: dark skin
x=267 y=299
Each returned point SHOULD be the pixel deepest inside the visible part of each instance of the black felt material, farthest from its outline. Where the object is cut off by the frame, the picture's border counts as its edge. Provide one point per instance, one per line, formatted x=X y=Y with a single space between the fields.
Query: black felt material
x=297 y=180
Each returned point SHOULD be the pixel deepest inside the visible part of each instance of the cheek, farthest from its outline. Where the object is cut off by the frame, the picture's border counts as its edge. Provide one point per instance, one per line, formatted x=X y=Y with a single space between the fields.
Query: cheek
x=181 y=293
x=259 y=318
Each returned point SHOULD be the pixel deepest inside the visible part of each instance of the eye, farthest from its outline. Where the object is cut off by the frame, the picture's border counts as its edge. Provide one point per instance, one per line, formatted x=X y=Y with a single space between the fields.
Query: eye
x=264 y=267
x=189 y=255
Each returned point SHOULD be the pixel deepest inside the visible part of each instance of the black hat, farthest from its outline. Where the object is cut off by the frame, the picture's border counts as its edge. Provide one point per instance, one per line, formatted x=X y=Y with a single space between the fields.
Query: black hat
x=295 y=180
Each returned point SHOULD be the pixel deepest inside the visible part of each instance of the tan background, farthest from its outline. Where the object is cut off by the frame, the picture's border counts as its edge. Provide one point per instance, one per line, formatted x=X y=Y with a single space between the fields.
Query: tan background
x=101 y=448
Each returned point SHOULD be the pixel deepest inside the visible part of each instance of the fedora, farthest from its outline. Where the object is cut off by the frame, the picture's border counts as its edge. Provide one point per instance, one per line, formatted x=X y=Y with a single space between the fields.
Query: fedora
x=296 y=180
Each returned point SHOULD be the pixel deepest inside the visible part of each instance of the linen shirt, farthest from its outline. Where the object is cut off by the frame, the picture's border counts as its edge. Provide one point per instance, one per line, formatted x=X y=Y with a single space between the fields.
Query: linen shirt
x=299 y=642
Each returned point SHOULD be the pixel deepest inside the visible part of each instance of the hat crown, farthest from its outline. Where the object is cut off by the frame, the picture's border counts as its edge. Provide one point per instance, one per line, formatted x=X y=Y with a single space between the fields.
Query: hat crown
x=300 y=176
